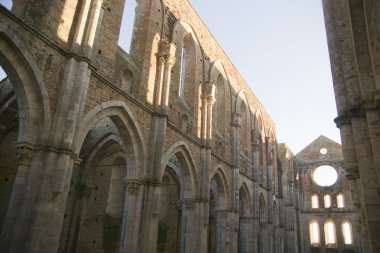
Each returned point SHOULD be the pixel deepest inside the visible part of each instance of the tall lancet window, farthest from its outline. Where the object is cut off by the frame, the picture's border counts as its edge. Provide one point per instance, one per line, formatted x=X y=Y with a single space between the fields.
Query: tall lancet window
x=182 y=74
x=330 y=237
x=314 y=232
x=347 y=233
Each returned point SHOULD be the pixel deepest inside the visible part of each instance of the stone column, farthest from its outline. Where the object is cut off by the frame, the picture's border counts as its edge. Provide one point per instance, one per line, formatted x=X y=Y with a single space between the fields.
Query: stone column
x=226 y=231
x=11 y=226
x=189 y=227
x=131 y=217
x=149 y=223
x=247 y=224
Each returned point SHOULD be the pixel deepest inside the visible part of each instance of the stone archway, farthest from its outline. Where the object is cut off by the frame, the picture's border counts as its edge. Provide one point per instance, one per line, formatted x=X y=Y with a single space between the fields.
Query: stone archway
x=244 y=232
x=95 y=205
x=25 y=123
x=101 y=211
x=219 y=196
x=176 y=225
x=263 y=232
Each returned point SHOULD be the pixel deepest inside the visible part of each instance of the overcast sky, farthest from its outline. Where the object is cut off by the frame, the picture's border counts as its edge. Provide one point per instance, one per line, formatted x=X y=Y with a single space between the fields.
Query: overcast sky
x=280 y=49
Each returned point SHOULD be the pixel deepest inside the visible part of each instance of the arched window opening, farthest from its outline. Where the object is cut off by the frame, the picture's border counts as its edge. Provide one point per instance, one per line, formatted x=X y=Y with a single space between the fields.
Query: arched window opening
x=243 y=129
x=315 y=201
x=182 y=73
x=327 y=200
x=127 y=25
x=330 y=237
x=347 y=233
x=314 y=233
x=340 y=200
x=261 y=153
x=9 y=128
x=219 y=105
x=187 y=61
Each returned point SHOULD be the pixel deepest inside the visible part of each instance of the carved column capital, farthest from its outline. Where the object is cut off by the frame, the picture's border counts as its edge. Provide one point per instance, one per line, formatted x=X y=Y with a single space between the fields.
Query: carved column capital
x=76 y=163
x=132 y=186
x=24 y=153
x=160 y=59
x=167 y=50
x=237 y=119
x=210 y=100
x=186 y=204
x=169 y=61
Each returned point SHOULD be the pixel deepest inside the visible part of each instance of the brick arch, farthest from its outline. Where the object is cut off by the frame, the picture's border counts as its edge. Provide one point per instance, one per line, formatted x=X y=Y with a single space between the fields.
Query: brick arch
x=129 y=131
x=31 y=94
x=223 y=187
x=186 y=173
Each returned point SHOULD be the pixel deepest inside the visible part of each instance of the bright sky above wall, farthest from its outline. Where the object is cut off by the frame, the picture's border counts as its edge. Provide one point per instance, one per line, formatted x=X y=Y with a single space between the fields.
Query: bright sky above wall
x=280 y=49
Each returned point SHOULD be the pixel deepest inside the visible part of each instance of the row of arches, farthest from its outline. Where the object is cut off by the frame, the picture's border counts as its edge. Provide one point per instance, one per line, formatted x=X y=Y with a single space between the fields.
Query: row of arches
x=105 y=186
x=186 y=88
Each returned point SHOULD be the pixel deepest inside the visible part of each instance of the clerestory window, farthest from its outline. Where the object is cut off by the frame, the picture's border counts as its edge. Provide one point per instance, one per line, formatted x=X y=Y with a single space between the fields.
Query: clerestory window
x=314 y=232
x=330 y=237
x=314 y=201
x=347 y=233
x=327 y=201
x=340 y=200
x=182 y=74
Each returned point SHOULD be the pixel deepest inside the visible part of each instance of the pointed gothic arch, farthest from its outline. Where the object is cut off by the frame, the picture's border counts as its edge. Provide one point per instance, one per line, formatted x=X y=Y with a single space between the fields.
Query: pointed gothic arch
x=187 y=174
x=128 y=128
x=31 y=94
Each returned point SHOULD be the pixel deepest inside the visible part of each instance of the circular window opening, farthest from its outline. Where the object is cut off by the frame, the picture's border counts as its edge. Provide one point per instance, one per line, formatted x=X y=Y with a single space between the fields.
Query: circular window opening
x=325 y=175
x=323 y=151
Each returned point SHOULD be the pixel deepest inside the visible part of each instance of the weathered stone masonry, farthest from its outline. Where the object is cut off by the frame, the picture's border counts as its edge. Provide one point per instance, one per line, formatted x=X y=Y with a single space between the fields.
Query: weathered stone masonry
x=163 y=149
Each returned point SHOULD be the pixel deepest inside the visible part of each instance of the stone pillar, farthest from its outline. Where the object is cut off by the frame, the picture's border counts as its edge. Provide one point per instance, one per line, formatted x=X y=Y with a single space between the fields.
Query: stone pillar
x=349 y=31
x=189 y=227
x=246 y=230
x=255 y=201
x=147 y=237
x=205 y=170
x=25 y=154
x=131 y=217
x=227 y=231
x=149 y=223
